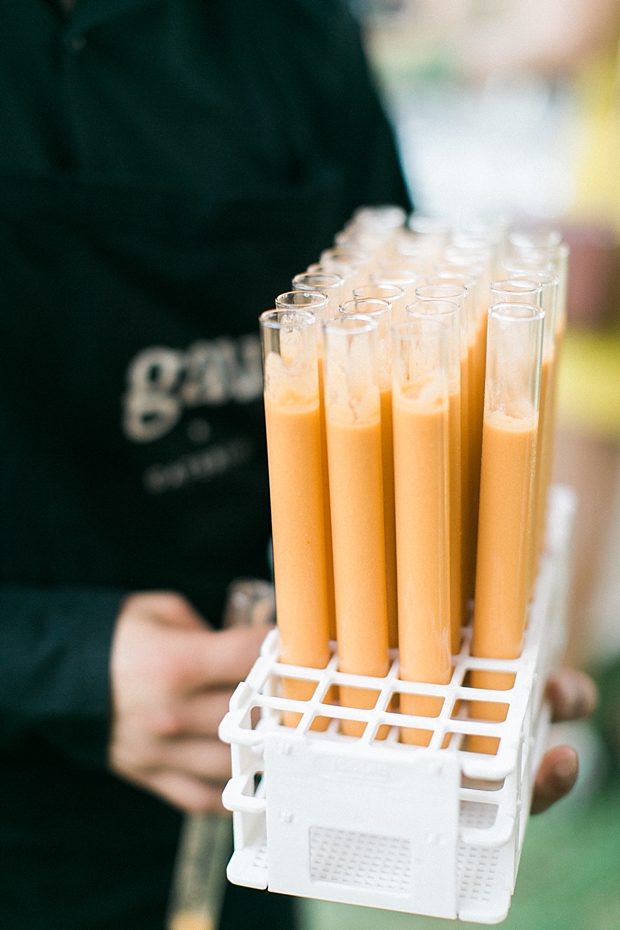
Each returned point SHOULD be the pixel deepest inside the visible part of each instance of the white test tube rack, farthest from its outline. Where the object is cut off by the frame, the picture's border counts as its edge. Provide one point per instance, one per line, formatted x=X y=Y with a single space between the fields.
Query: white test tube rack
x=434 y=830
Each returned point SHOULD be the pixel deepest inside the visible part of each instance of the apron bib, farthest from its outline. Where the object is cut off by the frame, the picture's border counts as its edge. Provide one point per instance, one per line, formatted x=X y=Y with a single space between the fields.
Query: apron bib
x=130 y=371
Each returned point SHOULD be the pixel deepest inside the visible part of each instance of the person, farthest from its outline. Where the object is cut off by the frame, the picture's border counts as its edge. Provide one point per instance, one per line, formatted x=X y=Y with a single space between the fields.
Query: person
x=166 y=166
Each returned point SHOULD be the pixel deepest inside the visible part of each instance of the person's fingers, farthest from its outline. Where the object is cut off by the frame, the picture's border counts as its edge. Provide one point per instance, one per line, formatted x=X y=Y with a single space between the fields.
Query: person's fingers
x=572 y=694
x=198 y=714
x=206 y=759
x=556 y=776
x=186 y=792
x=224 y=658
x=166 y=607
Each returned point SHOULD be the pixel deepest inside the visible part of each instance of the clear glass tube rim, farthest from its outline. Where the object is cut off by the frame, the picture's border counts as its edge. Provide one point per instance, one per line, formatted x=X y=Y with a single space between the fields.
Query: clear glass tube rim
x=535 y=237
x=383 y=216
x=546 y=278
x=448 y=291
x=442 y=309
x=450 y=276
x=397 y=292
x=316 y=281
x=350 y=324
x=526 y=282
x=353 y=257
x=314 y=298
x=295 y=319
x=516 y=312
x=365 y=306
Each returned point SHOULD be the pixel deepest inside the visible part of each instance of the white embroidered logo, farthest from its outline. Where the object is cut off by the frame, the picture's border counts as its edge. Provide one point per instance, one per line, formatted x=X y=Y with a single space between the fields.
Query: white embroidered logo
x=162 y=382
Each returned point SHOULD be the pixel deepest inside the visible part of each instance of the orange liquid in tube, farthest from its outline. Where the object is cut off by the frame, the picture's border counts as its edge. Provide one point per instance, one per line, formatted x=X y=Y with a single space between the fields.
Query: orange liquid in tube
x=329 y=553
x=423 y=552
x=356 y=487
x=379 y=309
x=466 y=517
x=354 y=451
x=476 y=375
x=503 y=563
x=300 y=563
x=548 y=292
x=455 y=509
x=504 y=536
x=443 y=302
x=387 y=446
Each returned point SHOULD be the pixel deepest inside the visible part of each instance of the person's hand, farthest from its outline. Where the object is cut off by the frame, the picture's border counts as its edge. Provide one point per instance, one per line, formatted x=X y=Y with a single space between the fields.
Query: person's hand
x=171 y=678
x=572 y=696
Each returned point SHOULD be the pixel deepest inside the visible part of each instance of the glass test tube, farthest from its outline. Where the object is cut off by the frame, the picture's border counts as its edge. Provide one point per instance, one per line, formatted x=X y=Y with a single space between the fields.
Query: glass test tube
x=476 y=261
x=469 y=275
x=444 y=302
x=348 y=273
x=493 y=230
x=375 y=242
x=471 y=419
x=563 y=258
x=523 y=239
x=522 y=290
x=430 y=227
x=384 y=221
x=476 y=264
x=505 y=528
x=515 y=291
x=476 y=362
x=293 y=422
x=485 y=245
x=387 y=216
x=380 y=311
x=512 y=393
x=545 y=252
x=390 y=292
x=346 y=256
x=523 y=263
x=331 y=286
x=303 y=300
x=419 y=248
x=399 y=274
x=421 y=472
x=353 y=416
x=549 y=284
x=353 y=265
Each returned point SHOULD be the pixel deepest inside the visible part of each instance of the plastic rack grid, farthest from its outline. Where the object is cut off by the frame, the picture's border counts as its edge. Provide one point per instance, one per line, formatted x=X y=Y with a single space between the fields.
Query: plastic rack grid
x=434 y=830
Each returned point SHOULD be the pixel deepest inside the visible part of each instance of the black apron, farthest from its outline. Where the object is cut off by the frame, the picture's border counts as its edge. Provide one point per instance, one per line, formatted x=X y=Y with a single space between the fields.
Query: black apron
x=93 y=275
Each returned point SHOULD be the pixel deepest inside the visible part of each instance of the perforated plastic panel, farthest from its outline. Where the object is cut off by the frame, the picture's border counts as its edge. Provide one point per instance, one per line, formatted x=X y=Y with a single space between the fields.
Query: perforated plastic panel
x=477 y=814
x=477 y=867
x=362 y=859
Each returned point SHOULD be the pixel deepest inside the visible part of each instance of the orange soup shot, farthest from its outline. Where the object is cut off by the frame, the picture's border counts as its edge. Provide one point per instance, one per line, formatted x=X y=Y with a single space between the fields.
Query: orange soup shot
x=421 y=473
x=507 y=483
x=293 y=423
x=354 y=449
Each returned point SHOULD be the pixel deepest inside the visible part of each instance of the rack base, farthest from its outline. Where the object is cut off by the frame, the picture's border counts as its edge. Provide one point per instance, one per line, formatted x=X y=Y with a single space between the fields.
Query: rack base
x=371 y=821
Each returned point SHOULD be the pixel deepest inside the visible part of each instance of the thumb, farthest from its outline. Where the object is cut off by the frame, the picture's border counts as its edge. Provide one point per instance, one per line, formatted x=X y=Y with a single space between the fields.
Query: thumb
x=224 y=657
x=167 y=608
x=555 y=777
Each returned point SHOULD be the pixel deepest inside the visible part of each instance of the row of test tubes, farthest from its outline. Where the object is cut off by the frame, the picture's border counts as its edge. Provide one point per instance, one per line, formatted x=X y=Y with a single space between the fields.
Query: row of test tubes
x=409 y=396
